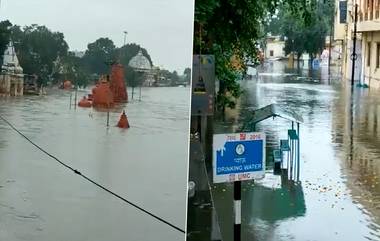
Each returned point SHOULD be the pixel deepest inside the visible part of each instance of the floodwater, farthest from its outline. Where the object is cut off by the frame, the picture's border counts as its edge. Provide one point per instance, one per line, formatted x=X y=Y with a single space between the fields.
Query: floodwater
x=146 y=164
x=338 y=196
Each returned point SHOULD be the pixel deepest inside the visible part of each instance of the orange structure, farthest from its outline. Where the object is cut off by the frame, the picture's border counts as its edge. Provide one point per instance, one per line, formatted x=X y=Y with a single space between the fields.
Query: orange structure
x=102 y=95
x=117 y=83
x=84 y=102
x=67 y=85
x=108 y=90
x=123 y=122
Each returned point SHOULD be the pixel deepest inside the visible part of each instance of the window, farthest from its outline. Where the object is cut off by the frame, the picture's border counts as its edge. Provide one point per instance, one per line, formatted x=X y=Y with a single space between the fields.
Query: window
x=271 y=53
x=378 y=55
x=368 y=54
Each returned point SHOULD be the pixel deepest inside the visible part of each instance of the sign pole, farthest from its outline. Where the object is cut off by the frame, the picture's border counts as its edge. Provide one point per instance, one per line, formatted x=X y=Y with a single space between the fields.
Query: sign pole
x=354 y=56
x=237 y=210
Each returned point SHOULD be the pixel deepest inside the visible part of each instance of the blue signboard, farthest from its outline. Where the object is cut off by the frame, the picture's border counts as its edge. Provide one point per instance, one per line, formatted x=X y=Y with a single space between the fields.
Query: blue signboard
x=238 y=156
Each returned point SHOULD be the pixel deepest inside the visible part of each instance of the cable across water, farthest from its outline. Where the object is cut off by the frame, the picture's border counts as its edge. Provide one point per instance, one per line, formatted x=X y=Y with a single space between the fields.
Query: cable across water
x=92 y=181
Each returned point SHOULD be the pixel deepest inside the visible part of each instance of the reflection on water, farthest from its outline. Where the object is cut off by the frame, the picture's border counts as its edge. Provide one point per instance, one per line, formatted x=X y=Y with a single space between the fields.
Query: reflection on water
x=339 y=198
x=39 y=200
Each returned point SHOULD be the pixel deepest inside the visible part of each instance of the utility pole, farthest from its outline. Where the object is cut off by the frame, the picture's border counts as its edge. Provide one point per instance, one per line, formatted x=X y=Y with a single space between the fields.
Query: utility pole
x=331 y=39
x=354 y=56
x=121 y=49
x=125 y=37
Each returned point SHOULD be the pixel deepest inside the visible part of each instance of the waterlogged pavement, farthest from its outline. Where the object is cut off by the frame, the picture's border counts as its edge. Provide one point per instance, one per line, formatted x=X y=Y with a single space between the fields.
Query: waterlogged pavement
x=147 y=164
x=338 y=196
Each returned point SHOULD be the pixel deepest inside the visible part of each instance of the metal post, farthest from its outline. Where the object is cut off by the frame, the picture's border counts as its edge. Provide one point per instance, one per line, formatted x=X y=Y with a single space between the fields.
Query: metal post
x=108 y=117
x=298 y=152
x=75 y=99
x=108 y=111
x=237 y=211
x=288 y=161
x=354 y=55
x=71 y=96
x=125 y=37
x=331 y=33
x=140 y=94
x=292 y=158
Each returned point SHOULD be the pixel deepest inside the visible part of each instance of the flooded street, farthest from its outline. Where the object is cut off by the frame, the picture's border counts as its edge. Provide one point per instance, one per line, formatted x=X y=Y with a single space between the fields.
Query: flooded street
x=146 y=164
x=338 y=196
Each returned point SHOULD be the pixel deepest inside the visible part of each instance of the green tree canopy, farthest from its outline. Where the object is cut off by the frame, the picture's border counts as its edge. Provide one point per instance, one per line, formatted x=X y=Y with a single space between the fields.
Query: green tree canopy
x=38 y=48
x=72 y=68
x=98 y=53
x=5 y=34
x=303 y=37
x=232 y=28
x=187 y=74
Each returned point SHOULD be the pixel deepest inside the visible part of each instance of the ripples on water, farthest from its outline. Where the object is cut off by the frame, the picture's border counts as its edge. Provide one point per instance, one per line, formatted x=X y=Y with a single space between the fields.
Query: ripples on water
x=340 y=175
x=147 y=164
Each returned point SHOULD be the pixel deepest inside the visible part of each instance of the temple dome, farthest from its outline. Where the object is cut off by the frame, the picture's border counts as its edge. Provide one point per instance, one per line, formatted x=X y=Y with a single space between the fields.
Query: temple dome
x=140 y=62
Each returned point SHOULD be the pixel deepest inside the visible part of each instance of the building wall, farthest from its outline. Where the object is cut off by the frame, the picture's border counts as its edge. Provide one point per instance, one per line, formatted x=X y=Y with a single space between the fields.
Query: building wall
x=369 y=27
x=339 y=28
x=11 y=85
x=371 y=58
x=277 y=47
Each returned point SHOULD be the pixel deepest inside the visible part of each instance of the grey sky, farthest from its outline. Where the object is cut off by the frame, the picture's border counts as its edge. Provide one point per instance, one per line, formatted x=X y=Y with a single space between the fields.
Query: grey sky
x=163 y=27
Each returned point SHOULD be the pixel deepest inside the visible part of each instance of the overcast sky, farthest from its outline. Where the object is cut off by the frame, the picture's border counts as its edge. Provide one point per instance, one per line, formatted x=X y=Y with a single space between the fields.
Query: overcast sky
x=163 y=27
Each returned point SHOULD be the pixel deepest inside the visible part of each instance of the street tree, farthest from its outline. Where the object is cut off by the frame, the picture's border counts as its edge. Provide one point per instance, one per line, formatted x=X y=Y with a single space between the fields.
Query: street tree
x=231 y=29
x=305 y=37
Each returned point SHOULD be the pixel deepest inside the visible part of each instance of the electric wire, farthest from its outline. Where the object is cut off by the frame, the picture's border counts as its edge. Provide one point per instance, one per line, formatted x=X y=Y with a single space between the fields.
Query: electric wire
x=92 y=181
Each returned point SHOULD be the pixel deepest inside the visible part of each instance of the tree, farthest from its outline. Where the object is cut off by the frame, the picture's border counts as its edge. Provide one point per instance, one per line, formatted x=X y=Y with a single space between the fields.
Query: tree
x=174 y=77
x=73 y=68
x=5 y=34
x=304 y=36
x=187 y=74
x=38 y=48
x=231 y=29
x=97 y=55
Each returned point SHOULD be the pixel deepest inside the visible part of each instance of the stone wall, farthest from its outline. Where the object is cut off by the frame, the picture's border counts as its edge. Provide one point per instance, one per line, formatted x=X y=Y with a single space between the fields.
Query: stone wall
x=11 y=85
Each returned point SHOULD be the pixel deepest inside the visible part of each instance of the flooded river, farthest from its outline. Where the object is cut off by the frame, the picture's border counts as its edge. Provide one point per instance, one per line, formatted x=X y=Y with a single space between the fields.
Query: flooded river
x=338 y=196
x=146 y=164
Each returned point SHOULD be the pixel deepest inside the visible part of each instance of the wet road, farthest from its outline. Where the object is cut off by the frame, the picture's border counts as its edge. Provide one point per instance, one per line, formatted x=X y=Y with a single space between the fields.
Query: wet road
x=147 y=164
x=338 y=197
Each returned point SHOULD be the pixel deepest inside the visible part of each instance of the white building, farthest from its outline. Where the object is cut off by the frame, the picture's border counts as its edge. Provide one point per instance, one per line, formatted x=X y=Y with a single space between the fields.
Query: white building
x=274 y=48
x=141 y=65
x=343 y=37
x=11 y=76
x=369 y=27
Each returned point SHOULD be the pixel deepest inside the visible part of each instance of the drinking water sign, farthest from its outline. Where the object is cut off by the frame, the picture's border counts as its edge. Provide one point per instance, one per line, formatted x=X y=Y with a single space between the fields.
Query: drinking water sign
x=238 y=157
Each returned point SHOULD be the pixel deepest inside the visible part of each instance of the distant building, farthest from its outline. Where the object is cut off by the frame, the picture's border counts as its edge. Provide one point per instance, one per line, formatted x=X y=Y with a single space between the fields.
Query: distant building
x=79 y=54
x=343 y=29
x=274 y=48
x=11 y=75
x=141 y=64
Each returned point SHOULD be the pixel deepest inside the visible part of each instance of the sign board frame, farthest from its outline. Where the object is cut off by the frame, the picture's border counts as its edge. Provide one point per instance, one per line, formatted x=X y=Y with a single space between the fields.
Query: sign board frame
x=239 y=156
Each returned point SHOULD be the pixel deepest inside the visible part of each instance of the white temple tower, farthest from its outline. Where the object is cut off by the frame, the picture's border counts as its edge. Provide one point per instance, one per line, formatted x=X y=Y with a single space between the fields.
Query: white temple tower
x=11 y=75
